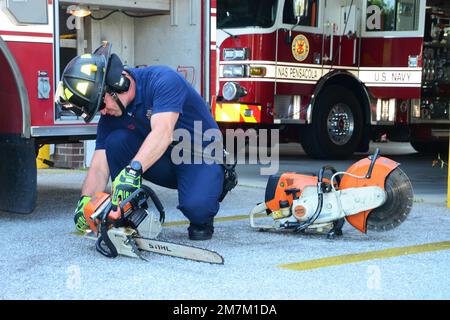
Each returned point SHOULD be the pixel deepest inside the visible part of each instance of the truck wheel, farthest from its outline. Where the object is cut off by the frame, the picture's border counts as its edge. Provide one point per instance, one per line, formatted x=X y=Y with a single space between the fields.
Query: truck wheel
x=430 y=147
x=18 y=174
x=337 y=125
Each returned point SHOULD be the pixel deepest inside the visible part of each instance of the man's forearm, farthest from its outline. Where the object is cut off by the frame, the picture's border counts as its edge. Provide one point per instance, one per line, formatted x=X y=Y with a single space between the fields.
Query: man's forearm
x=153 y=148
x=95 y=181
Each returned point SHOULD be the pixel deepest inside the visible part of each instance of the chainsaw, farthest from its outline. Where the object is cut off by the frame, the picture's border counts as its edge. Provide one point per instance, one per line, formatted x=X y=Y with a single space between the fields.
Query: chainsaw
x=132 y=228
x=374 y=193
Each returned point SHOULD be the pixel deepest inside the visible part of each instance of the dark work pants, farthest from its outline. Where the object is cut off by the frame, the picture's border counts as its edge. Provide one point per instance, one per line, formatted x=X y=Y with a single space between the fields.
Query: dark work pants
x=199 y=185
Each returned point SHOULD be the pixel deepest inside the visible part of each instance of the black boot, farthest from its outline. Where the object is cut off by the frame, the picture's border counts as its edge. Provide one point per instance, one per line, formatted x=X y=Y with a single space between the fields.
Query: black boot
x=201 y=231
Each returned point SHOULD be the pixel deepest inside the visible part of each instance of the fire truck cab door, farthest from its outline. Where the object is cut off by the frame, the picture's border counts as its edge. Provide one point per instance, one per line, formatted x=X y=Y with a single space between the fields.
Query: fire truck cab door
x=342 y=32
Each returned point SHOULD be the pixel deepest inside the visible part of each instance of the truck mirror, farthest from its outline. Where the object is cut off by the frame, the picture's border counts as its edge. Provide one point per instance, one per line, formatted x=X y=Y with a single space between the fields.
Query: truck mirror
x=299 y=7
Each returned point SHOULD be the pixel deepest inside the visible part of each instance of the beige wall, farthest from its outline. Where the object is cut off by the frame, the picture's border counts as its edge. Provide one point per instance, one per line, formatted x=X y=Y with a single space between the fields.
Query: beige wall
x=173 y=40
x=118 y=29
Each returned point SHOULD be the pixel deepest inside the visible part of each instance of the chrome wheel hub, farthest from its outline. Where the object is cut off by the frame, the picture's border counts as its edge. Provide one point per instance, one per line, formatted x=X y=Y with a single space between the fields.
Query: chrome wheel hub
x=340 y=124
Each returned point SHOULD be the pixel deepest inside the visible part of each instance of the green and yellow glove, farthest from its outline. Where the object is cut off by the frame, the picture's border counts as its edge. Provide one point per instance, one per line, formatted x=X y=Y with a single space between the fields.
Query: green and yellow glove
x=126 y=182
x=80 y=222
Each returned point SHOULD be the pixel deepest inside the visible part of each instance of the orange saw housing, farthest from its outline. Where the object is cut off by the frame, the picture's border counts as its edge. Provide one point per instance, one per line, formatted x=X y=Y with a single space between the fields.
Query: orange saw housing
x=100 y=201
x=383 y=166
x=277 y=186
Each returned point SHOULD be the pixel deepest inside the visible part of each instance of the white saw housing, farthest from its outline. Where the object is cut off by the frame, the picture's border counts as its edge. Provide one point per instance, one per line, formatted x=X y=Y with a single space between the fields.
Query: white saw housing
x=336 y=204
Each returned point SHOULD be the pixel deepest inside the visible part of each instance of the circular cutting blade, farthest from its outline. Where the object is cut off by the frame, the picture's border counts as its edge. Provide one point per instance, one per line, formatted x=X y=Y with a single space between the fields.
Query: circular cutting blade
x=398 y=204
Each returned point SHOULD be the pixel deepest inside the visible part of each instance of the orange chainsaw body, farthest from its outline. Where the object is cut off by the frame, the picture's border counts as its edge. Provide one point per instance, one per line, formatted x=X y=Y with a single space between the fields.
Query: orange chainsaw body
x=99 y=200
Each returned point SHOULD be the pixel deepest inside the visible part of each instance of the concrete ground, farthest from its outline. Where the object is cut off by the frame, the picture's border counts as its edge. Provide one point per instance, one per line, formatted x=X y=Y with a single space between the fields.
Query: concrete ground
x=42 y=258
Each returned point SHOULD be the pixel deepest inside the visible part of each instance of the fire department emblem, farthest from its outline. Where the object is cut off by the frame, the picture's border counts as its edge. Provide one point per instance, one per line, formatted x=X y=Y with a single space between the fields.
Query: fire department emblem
x=300 y=47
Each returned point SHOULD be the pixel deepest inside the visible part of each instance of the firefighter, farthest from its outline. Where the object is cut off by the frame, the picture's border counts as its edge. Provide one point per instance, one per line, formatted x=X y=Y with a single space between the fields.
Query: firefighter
x=139 y=110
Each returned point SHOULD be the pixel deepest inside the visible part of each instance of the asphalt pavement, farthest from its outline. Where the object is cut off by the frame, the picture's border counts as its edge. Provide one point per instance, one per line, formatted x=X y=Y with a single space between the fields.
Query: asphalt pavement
x=43 y=258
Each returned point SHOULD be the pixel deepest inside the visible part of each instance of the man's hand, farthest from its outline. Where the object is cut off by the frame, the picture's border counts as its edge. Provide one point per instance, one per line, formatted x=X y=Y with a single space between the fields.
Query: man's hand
x=126 y=182
x=79 y=219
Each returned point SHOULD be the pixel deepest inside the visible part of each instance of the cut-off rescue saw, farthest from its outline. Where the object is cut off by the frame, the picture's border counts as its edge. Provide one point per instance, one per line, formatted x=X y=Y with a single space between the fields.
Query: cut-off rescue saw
x=374 y=193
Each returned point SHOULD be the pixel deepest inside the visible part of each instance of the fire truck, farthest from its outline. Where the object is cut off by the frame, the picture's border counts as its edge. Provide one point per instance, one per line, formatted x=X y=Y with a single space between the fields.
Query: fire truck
x=334 y=74
x=39 y=37
x=331 y=73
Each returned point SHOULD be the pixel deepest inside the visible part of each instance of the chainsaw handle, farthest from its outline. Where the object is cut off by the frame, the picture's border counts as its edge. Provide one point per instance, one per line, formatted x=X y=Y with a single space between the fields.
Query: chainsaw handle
x=136 y=199
x=103 y=251
x=104 y=238
x=140 y=196
x=149 y=191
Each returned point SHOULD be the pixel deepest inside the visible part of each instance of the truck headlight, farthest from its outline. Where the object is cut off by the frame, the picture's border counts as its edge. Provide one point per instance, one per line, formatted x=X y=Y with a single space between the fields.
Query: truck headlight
x=415 y=104
x=232 y=91
x=230 y=54
x=386 y=110
x=234 y=71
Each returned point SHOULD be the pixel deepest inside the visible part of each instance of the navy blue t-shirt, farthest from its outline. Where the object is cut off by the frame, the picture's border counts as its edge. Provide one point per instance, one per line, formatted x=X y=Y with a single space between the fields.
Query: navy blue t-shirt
x=158 y=89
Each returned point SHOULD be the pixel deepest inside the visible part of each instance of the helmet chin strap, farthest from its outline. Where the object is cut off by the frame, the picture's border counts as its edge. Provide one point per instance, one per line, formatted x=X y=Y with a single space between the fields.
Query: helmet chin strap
x=117 y=100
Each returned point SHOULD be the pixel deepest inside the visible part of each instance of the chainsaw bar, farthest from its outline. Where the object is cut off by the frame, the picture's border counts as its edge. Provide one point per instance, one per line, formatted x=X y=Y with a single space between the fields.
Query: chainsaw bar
x=178 y=250
x=168 y=248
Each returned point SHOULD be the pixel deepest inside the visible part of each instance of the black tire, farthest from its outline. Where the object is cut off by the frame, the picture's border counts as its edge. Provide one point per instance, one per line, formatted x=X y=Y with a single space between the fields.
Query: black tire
x=18 y=174
x=37 y=146
x=319 y=140
x=430 y=147
x=398 y=204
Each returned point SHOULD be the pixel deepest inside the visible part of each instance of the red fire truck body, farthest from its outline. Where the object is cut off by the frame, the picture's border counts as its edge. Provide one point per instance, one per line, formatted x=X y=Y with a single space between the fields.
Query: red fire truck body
x=343 y=73
x=304 y=78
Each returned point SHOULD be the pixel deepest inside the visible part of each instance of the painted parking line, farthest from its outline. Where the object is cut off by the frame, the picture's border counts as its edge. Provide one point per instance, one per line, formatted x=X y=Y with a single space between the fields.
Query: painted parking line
x=220 y=219
x=372 y=255
x=186 y=222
